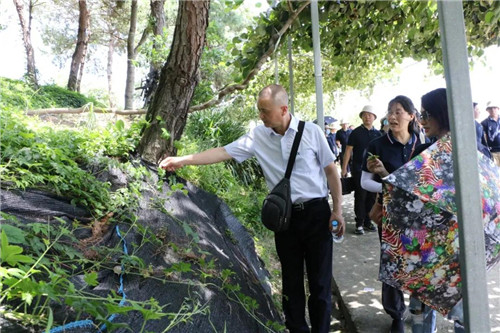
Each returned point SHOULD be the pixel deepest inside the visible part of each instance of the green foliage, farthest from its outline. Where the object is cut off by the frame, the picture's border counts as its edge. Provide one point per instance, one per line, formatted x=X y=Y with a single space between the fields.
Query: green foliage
x=38 y=156
x=52 y=159
x=156 y=49
x=11 y=254
x=213 y=128
x=227 y=20
x=28 y=290
x=362 y=39
x=19 y=95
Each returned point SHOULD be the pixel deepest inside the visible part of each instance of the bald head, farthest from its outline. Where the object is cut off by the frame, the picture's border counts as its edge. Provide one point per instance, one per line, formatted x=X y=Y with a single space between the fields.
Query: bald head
x=276 y=93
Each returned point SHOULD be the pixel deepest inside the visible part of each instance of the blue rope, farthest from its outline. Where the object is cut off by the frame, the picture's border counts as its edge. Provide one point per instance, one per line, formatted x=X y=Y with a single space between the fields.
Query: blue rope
x=120 y=290
x=89 y=323
x=76 y=324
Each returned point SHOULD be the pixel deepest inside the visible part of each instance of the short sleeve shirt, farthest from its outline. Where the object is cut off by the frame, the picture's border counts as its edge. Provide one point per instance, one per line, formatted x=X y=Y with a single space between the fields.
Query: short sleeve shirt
x=492 y=130
x=272 y=150
x=359 y=139
x=342 y=137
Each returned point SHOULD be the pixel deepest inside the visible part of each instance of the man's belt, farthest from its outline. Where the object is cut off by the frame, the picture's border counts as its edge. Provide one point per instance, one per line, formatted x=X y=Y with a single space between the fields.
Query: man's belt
x=303 y=205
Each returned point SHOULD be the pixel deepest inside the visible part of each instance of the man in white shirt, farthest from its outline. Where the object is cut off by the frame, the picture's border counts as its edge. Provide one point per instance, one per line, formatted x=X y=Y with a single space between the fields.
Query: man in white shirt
x=309 y=235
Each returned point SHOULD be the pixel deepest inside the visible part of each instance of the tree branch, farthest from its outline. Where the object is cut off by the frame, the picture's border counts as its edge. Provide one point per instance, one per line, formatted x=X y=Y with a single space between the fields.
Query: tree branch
x=244 y=84
x=83 y=109
x=144 y=37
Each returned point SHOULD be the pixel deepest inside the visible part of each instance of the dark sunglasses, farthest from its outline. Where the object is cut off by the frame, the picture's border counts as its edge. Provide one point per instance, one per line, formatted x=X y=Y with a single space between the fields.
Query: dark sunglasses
x=424 y=115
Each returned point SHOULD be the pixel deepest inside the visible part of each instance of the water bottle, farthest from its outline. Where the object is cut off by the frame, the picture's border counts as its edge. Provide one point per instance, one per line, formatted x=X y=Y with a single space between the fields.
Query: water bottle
x=335 y=229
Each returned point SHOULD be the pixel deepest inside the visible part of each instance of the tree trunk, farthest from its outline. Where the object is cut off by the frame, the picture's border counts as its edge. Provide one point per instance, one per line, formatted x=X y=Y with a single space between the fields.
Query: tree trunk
x=151 y=82
x=158 y=14
x=26 y=31
x=178 y=80
x=129 y=86
x=82 y=42
x=109 y=69
x=111 y=49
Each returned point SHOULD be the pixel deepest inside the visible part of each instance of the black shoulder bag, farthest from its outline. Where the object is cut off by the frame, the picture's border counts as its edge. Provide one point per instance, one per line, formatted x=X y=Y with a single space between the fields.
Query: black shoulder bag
x=277 y=206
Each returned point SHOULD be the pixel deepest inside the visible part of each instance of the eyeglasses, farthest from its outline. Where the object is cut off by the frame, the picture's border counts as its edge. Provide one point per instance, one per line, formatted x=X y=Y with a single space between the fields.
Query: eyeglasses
x=424 y=115
x=396 y=113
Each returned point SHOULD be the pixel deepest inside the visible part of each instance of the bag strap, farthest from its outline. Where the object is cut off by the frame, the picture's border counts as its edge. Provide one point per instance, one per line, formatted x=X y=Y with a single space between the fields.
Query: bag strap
x=295 y=147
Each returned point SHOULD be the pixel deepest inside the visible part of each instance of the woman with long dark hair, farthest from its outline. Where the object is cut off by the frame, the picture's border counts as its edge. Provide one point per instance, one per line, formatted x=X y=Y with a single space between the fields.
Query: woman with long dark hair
x=436 y=124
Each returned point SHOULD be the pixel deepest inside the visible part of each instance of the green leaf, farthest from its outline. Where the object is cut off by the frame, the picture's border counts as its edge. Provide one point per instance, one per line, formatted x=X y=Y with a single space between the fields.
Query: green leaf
x=165 y=134
x=11 y=254
x=27 y=297
x=14 y=234
x=120 y=125
x=489 y=17
x=91 y=279
x=50 y=321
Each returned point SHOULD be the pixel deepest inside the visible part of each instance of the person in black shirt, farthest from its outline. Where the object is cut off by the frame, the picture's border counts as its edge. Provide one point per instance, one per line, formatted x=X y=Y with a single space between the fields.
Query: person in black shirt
x=341 y=139
x=357 y=143
x=330 y=134
x=389 y=152
x=491 y=127
x=480 y=139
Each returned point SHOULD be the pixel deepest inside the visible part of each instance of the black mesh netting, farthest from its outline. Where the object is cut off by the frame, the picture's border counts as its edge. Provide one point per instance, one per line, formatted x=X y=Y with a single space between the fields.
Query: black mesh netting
x=192 y=227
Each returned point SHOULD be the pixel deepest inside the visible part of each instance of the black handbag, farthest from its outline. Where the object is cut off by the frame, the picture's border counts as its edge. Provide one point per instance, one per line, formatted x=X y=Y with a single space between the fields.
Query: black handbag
x=277 y=207
x=347 y=185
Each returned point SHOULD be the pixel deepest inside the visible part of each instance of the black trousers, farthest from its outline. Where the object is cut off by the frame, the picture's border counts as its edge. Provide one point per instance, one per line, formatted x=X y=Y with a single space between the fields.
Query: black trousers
x=363 y=201
x=308 y=239
x=393 y=299
x=341 y=159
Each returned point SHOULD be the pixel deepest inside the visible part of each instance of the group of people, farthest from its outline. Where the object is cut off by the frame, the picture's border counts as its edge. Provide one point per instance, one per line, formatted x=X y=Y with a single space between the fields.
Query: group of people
x=315 y=175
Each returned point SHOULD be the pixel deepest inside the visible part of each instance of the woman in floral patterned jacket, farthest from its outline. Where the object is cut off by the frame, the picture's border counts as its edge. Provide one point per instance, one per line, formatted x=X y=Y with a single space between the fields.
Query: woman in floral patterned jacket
x=436 y=124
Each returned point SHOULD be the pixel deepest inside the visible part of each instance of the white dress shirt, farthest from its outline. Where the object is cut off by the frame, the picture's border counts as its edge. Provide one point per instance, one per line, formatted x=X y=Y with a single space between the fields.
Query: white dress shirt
x=272 y=150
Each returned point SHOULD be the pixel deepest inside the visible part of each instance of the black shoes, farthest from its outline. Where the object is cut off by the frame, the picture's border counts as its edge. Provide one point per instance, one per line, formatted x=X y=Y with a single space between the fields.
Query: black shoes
x=370 y=227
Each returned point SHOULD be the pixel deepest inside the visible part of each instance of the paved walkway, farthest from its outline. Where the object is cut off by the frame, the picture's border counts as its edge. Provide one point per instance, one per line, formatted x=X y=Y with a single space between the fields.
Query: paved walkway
x=357 y=290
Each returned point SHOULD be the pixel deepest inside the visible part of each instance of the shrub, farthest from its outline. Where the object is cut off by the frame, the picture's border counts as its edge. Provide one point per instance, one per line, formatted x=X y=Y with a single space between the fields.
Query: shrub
x=18 y=94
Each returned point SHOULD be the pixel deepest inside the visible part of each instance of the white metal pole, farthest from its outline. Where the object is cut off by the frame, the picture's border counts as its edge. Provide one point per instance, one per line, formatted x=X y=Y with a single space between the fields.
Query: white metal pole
x=290 y=73
x=317 y=63
x=465 y=167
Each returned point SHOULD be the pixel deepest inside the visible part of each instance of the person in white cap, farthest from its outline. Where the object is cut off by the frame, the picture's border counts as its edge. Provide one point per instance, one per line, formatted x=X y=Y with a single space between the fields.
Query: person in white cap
x=357 y=144
x=491 y=127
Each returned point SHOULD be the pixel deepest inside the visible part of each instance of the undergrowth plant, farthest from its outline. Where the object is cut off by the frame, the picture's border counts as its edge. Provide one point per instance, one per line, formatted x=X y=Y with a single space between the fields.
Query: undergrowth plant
x=16 y=94
x=35 y=156
x=38 y=273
